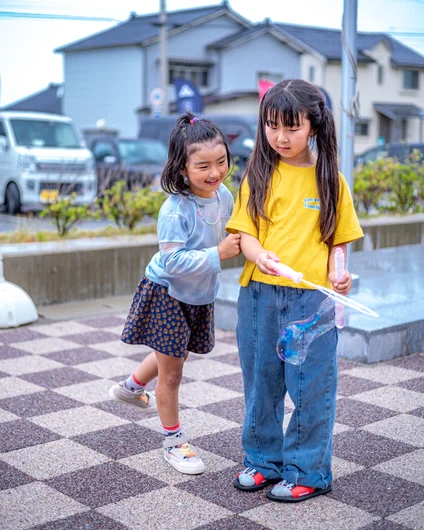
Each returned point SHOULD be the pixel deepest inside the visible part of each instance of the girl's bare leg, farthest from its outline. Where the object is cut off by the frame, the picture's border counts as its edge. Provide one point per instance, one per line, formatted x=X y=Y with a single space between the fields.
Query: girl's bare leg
x=167 y=387
x=148 y=369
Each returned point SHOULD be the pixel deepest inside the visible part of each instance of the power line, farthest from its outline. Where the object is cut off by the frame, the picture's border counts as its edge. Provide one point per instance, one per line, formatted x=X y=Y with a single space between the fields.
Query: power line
x=17 y=14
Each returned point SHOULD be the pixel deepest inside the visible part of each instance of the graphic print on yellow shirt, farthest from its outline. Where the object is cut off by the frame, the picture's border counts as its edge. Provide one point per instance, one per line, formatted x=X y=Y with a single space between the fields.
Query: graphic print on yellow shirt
x=293 y=234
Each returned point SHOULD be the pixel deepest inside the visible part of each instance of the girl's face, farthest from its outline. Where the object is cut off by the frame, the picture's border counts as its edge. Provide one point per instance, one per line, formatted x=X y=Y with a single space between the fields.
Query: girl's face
x=206 y=168
x=291 y=143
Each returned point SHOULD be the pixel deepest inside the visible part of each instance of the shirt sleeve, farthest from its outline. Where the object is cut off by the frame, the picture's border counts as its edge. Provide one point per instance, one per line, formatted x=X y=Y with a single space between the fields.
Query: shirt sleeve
x=176 y=258
x=348 y=227
x=240 y=220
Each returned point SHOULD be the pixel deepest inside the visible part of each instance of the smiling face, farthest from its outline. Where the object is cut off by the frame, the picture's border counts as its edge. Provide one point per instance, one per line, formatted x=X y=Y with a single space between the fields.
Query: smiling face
x=206 y=168
x=291 y=143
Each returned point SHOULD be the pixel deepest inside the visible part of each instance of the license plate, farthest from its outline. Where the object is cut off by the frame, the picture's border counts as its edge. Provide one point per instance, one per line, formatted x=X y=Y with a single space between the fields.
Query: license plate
x=49 y=195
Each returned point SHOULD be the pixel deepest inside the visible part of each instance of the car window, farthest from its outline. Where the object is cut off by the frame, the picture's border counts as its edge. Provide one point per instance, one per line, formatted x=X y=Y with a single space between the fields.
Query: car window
x=374 y=154
x=44 y=133
x=142 y=151
x=103 y=149
x=2 y=129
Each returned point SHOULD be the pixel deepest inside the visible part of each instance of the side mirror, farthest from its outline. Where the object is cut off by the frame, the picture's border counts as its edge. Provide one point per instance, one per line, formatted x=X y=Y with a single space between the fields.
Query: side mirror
x=4 y=144
x=110 y=159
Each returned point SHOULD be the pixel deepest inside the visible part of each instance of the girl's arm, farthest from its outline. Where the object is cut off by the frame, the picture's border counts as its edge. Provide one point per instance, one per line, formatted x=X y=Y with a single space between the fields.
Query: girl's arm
x=344 y=285
x=253 y=251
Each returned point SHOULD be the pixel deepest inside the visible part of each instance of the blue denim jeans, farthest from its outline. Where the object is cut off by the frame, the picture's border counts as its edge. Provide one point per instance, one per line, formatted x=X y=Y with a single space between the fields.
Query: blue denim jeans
x=303 y=454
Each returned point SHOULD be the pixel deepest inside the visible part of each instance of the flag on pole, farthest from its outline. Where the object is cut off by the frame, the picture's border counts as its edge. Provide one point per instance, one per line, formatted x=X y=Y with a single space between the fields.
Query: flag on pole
x=263 y=86
x=188 y=96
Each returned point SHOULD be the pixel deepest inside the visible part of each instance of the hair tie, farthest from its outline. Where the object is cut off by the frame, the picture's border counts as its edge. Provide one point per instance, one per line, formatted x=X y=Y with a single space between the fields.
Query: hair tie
x=193 y=120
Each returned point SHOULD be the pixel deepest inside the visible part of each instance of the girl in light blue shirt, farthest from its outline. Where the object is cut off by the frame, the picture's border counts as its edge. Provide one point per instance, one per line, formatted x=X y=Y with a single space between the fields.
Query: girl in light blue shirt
x=173 y=307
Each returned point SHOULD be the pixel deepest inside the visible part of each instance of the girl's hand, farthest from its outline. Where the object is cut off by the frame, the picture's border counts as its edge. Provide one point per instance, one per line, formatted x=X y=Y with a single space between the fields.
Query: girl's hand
x=342 y=286
x=229 y=247
x=266 y=262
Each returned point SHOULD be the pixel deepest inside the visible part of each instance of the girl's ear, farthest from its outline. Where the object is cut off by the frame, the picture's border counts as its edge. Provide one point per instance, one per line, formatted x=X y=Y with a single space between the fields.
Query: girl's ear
x=183 y=171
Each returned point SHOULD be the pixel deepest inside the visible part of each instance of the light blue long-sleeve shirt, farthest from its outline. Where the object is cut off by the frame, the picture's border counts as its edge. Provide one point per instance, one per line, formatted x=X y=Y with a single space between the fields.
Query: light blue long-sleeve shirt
x=188 y=261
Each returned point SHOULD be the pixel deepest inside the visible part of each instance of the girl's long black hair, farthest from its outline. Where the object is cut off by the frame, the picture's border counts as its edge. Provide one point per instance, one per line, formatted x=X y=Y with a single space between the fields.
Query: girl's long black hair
x=289 y=101
x=189 y=131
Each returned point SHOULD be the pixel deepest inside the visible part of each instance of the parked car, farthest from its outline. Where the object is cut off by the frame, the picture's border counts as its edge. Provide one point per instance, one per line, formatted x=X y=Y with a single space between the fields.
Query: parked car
x=42 y=156
x=239 y=130
x=400 y=151
x=139 y=160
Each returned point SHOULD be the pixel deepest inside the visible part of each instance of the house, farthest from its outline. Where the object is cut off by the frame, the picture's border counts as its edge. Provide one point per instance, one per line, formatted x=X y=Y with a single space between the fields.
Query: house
x=390 y=82
x=110 y=75
x=48 y=100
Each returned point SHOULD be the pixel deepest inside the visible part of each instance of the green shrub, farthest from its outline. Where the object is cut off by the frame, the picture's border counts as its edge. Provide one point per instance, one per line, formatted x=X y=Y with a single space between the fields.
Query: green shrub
x=369 y=185
x=65 y=214
x=128 y=208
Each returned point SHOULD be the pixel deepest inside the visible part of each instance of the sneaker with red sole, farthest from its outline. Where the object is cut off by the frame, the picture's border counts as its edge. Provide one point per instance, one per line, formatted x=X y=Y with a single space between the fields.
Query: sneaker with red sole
x=251 y=480
x=286 y=491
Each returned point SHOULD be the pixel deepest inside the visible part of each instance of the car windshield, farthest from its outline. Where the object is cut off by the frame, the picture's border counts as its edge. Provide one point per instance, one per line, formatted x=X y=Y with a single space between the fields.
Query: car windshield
x=142 y=151
x=44 y=133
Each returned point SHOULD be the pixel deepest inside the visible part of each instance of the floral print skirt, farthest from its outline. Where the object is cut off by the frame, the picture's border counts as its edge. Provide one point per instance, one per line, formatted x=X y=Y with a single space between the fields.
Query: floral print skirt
x=166 y=325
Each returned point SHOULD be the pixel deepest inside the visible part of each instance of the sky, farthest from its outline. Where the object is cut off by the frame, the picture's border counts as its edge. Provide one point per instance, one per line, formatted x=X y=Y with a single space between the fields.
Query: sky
x=28 y=62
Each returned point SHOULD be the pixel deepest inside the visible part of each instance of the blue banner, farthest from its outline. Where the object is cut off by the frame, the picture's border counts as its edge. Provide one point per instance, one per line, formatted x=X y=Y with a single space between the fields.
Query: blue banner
x=188 y=96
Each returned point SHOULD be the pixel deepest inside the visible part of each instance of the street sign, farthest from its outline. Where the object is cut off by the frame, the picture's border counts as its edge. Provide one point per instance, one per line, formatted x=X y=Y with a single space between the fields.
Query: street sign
x=157 y=97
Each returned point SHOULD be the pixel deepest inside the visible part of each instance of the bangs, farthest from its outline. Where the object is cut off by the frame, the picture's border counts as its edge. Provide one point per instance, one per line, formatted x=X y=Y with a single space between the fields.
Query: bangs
x=284 y=108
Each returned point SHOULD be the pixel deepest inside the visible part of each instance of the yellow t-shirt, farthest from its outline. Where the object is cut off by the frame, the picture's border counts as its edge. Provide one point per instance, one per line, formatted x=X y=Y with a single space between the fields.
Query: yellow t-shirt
x=294 y=235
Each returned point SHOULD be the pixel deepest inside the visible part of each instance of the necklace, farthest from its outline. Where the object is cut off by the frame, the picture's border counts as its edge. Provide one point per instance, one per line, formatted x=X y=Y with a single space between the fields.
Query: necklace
x=199 y=211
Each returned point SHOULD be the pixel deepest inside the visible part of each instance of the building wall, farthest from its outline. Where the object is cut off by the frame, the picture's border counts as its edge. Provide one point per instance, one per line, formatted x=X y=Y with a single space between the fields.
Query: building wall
x=245 y=105
x=265 y=54
x=104 y=84
x=190 y=44
x=370 y=92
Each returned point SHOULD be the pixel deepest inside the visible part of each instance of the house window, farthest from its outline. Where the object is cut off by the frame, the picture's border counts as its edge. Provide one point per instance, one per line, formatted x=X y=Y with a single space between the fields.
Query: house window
x=274 y=77
x=311 y=74
x=199 y=75
x=380 y=74
x=361 y=128
x=410 y=79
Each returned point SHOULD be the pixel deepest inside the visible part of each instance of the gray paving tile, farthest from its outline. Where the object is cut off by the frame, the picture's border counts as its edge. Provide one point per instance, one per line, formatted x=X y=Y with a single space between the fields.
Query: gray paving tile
x=366 y=448
x=232 y=409
x=178 y=510
x=412 y=517
x=21 y=433
x=84 y=521
x=122 y=441
x=106 y=321
x=417 y=385
x=348 y=385
x=58 y=377
x=384 y=524
x=377 y=493
x=91 y=337
x=124 y=411
x=236 y=522
x=231 y=381
x=38 y=403
x=409 y=467
x=34 y=504
x=78 y=356
x=104 y=484
x=411 y=362
x=20 y=334
x=9 y=352
x=404 y=427
x=358 y=414
x=226 y=444
x=10 y=477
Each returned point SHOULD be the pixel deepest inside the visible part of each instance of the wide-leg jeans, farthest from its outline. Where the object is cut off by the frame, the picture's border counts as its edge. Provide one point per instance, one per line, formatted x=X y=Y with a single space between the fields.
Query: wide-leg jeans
x=302 y=454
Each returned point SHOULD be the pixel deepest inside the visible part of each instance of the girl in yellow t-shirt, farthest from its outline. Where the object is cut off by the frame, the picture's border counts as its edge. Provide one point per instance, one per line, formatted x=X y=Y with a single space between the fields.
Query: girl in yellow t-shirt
x=294 y=207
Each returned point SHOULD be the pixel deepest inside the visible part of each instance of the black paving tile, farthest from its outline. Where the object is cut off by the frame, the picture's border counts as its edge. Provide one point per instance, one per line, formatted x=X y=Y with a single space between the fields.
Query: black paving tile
x=10 y=477
x=357 y=414
x=120 y=442
x=59 y=377
x=78 y=356
x=22 y=433
x=38 y=403
x=84 y=521
x=377 y=493
x=104 y=484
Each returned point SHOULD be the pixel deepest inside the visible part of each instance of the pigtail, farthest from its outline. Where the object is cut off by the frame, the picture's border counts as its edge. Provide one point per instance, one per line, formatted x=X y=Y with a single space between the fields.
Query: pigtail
x=327 y=176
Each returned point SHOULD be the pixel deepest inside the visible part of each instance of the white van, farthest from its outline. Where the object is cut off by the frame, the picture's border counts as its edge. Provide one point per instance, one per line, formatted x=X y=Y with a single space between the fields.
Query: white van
x=42 y=156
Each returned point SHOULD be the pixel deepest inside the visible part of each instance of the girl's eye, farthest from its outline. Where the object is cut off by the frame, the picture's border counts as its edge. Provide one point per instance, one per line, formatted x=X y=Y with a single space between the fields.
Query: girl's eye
x=203 y=167
x=294 y=130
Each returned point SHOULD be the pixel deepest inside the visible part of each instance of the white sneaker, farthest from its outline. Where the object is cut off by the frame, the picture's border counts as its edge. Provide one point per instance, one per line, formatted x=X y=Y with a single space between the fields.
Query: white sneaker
x=143 y=400
x=181 y=456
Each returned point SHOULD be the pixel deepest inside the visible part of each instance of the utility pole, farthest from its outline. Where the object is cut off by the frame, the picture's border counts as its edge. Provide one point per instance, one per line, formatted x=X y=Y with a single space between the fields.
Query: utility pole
x=349 y=98
x=163 y=58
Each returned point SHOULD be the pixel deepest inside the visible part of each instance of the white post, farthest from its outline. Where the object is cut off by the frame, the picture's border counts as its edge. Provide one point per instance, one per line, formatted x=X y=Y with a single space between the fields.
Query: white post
x=163 y=57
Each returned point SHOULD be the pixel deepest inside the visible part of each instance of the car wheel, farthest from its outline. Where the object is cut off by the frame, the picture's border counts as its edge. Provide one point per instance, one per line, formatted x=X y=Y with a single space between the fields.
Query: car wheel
x=13 y=199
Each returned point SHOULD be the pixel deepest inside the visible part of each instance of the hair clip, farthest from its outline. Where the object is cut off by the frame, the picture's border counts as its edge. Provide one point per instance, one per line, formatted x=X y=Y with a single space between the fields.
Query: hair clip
x=193 y=120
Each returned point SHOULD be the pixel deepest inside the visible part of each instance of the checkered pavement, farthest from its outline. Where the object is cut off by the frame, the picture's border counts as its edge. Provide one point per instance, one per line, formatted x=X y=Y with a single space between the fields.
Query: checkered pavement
x=70 y=458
